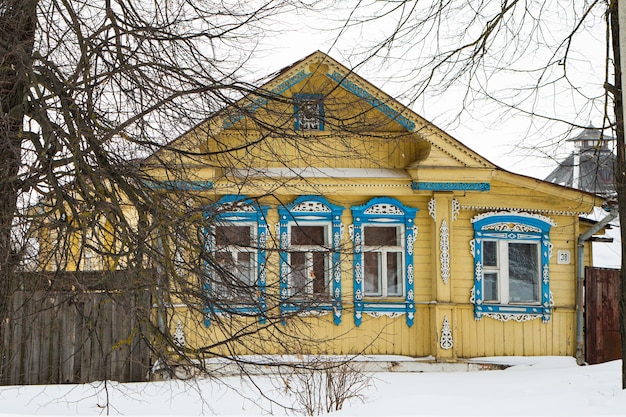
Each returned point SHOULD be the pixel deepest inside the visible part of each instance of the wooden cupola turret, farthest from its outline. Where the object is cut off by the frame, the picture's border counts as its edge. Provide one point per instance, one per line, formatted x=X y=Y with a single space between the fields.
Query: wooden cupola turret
x=590 y=166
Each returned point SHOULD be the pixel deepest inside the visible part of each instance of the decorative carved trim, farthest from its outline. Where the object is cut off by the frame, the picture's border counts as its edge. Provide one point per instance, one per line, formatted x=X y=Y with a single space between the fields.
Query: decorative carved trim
x=546 y=212
x=383 y=209
x=410 y=243
x=264 y=184
x=520 y=318
x=262 y=101
x=362 y=93
x=314 y=312
x=180 y=185
x=432 y=209
x=511 y=227
x=179 y=335
x=284 y=239
x=311 y=207
x=390 y=314
x=514 y=213
x=456 y=209
x=451 y=186
x=478 y=271
x=444 y=246
x=446 y=341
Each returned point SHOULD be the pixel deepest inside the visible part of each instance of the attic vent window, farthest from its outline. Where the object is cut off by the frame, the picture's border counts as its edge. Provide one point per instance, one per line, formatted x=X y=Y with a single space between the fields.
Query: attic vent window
x=309 y=112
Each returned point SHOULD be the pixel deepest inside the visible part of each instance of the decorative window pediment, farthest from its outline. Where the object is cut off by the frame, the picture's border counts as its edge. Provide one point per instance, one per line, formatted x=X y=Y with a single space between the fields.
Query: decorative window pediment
x=511 y=252
x=383 y=233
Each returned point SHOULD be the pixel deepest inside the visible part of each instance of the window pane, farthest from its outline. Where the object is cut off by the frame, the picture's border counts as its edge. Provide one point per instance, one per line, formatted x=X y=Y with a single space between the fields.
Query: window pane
x=372 y=273
x=298 y=277
x=319 y=272
x=220 y=276
x=523 y=272
x=381 y=236
x=307 y=235
x=490 y=253
x=235 y=275
x=244 y=269
x=490 y=287
x=229 y=235
x=394 y=274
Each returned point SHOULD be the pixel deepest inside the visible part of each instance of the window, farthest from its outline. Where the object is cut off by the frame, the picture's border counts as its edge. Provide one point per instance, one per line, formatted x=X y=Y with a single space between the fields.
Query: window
x=234 y=276
x=383 y=233
x=309 y=261
x=236 y=237
x=382 y=261
x=511 y=272
x=310 y=272
x=511 y=266
x=309 y=112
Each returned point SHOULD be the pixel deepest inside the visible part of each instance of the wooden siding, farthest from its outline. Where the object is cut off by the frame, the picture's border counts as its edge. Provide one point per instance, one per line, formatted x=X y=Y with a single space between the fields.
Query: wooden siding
x=312 y=335
x=490 y=337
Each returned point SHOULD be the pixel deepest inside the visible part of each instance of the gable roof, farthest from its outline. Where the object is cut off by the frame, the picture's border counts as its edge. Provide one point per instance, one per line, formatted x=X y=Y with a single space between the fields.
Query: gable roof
x=319 y=73
x=260 y=127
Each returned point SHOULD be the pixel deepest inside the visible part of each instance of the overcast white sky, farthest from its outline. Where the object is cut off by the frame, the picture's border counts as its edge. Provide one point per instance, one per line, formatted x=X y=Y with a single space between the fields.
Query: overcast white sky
x=485 y=128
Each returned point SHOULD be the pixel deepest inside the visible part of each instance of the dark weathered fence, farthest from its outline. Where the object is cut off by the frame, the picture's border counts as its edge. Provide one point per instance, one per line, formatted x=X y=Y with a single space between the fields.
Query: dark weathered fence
x=75 y=331
x=602 y=335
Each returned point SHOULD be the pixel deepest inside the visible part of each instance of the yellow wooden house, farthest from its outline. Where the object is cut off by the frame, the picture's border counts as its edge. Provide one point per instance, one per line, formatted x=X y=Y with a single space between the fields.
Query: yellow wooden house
x=373 y=231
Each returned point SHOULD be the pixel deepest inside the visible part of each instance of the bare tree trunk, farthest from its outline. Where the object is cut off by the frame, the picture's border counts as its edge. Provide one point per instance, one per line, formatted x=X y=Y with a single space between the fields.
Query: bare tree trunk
x=620 y=169
x=17 y=34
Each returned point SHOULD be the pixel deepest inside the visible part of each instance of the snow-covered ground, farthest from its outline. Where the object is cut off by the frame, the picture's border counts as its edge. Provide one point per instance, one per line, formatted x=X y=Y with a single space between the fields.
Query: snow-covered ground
x=553 y=386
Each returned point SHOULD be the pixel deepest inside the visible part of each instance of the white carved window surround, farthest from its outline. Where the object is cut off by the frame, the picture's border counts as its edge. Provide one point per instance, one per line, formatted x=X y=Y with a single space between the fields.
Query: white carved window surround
x=383 y=233
x=310 y=232
x=511 y=252
x=236 y=237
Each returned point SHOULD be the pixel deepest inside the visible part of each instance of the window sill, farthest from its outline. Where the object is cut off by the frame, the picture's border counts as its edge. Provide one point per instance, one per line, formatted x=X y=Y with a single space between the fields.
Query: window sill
x=387 y=305
x=380 y=299
x=514 y=312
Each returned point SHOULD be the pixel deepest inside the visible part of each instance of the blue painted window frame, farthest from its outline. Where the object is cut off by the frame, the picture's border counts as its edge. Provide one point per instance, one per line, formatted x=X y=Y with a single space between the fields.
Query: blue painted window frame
x=299 y=100
x=244 y=211
x=385 y=211
x=293 y=214
x=512 y=227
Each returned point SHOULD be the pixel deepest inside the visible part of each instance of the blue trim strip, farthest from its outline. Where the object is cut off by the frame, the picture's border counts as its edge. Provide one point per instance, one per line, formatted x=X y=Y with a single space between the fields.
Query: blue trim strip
x=180 y=185
x=377 y=103
x=262 y=101
x=450 y=186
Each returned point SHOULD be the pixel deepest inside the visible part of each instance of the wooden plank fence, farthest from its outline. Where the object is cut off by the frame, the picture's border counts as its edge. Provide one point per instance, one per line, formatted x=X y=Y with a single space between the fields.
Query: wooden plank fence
x=61 y=336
